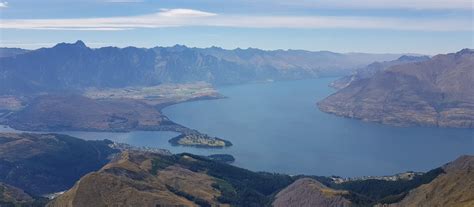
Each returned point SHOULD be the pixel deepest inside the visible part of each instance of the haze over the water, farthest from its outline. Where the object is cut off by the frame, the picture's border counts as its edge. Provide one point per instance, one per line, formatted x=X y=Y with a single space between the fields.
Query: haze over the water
x=420 y=26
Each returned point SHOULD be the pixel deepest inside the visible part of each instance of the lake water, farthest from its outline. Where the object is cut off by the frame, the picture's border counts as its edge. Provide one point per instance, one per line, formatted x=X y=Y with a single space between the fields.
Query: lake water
x=277 y=127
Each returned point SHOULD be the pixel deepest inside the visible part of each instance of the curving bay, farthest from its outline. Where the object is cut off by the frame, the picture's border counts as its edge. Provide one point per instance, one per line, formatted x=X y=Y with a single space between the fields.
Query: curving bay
x=277 y=127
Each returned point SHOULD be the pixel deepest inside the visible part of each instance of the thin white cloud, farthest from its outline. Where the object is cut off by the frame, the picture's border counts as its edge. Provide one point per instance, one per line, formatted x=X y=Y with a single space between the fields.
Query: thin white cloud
x=123 y=1
x=189 y=17
x=184 y=13
x=382 y=4
x=3 y=4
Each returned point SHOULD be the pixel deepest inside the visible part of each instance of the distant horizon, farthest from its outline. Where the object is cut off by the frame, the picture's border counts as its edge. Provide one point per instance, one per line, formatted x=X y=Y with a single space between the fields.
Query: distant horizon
x=214 y=46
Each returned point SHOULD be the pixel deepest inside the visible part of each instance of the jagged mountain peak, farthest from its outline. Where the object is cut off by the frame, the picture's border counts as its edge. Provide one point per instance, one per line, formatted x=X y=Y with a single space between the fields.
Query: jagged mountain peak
x=77 y=44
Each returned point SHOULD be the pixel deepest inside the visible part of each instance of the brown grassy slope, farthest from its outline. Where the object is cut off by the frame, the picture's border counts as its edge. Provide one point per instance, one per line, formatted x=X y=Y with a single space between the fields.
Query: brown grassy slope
x=307 y=192
x=437 y=92
x=454 y=189
x=129 y=181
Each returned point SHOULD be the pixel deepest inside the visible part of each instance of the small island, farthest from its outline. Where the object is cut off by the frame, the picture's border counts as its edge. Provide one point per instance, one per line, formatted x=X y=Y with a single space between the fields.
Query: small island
x=199 y=140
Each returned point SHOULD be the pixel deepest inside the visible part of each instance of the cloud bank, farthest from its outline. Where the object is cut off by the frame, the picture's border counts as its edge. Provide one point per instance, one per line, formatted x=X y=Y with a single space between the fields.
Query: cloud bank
x=190 y=17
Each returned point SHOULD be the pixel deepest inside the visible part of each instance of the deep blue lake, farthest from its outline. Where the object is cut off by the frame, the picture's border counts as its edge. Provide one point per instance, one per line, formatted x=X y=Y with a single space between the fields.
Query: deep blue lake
x=277 y=127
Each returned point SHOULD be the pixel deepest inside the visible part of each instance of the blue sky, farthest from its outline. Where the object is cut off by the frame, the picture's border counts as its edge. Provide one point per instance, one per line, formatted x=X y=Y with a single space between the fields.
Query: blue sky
x=378 y=26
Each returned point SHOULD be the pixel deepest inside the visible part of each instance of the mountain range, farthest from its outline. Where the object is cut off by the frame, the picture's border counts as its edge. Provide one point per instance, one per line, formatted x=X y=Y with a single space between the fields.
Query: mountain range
x=436 y=92
x=76 y=66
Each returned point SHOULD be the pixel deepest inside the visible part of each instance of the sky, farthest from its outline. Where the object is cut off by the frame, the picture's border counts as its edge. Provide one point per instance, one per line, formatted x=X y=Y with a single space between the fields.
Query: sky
x=373 y=26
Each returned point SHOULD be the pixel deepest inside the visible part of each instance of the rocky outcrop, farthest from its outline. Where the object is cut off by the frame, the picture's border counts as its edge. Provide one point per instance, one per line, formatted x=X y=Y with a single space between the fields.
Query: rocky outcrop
x=437 y=92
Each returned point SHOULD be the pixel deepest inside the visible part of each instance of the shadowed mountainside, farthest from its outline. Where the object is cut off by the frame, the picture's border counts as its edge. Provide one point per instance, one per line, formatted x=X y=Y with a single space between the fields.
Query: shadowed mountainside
x=47 y=163
x=437 y=92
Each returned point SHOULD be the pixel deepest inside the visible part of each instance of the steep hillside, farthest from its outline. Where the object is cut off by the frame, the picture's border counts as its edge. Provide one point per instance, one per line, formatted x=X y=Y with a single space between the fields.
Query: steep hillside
x=372 y=69
x=454 y=188
x=76 y=66
x=147 y=179
x=47 y=163
x=307 y=192
x=437 y=92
